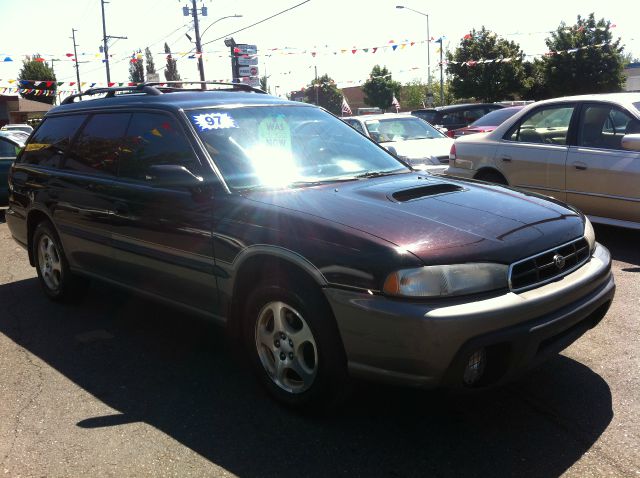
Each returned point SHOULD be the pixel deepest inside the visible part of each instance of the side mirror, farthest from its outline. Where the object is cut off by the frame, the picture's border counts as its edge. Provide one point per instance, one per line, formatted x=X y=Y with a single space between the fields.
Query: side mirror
x=172 y=175
x=631 y=142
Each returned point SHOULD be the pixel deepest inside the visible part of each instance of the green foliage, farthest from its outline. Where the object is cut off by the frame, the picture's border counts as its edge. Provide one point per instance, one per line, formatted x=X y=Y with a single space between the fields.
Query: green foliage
x=380 y=88
x=534 y=84
x=596 y=69
x=329 y=96
x=151 y=67
x=171 y=70
x=413 y=95
x=39 y=71
x=264 y=85
x=449 y=97
x=489 y=82
x=136 y=68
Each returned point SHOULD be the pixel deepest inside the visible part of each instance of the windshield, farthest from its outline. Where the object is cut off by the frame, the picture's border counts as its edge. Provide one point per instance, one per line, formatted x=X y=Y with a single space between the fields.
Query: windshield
x=279 y=146
x=496 y=118
x=401 y=129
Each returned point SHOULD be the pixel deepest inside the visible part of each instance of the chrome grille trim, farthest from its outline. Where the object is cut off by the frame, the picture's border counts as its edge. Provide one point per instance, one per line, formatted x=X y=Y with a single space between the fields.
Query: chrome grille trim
x=578 y=251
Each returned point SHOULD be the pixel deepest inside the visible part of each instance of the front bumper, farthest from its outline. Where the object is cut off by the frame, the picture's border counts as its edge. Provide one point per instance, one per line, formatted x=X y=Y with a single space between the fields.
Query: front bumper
x=427 y=343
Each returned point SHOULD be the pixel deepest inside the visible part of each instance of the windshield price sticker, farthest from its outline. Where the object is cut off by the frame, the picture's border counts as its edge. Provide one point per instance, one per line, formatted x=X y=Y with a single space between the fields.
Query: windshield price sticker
x=209 y=121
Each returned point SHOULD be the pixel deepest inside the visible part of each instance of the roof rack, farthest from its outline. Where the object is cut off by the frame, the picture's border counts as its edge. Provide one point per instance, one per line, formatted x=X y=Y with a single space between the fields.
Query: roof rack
x=157 y=88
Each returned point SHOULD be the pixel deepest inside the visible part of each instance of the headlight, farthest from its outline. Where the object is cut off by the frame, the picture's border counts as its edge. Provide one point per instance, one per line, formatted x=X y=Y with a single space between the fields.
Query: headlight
x=589 y=234
x=448 y=280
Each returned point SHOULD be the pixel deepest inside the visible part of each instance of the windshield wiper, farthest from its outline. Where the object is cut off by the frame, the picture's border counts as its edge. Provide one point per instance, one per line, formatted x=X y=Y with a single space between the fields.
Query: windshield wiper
x=376 y=174
x=316 y=182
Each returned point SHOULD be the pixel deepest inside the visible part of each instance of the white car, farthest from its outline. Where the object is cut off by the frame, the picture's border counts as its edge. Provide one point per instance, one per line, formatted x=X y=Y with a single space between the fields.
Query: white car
x=583 y=150
x=17 y=127
x=409 y=138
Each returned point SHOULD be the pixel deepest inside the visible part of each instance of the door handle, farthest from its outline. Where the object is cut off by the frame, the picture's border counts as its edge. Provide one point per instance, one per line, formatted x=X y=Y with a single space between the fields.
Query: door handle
x=579 y=165
x=506 y=158
x=121 y=209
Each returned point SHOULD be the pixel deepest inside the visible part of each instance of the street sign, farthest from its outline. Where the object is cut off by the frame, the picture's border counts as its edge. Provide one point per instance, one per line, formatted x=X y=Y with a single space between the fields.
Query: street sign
x=245 y=49
x=248 y=71
x=247 y=61
x=251 y=81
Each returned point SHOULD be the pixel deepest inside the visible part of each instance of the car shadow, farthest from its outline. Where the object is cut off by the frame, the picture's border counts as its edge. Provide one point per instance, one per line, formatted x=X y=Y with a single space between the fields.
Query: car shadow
x=620 y=242
x=174 y=372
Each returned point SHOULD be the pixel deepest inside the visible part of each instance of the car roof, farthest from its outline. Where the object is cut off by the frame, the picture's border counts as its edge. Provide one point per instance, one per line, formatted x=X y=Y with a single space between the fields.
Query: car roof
x=624 y=98
x=459 y=106
x=378 y=116
x=176 y=100
x=12 y=138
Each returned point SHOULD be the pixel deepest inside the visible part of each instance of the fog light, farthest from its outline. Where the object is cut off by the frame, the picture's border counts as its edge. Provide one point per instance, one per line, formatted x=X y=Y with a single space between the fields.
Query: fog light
x=475 y=367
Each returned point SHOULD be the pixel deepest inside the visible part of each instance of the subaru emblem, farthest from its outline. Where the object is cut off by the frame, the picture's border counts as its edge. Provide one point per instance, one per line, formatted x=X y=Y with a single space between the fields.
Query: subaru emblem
x=559 y=261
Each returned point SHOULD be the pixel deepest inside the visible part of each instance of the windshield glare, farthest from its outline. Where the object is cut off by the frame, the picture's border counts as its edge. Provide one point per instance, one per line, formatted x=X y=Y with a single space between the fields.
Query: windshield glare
x=401 y=129
x=278 y=146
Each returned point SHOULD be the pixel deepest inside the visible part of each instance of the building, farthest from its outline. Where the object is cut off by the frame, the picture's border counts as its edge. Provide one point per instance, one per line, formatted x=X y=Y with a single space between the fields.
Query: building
x=632 y=74
x=15 y=109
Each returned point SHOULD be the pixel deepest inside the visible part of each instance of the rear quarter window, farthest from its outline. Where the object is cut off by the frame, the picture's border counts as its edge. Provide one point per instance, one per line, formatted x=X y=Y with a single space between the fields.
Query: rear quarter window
x=51 y=140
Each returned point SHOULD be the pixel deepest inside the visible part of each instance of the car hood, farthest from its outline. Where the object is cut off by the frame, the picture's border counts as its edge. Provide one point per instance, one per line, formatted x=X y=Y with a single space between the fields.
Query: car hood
x=438 y=219
x=421 y=149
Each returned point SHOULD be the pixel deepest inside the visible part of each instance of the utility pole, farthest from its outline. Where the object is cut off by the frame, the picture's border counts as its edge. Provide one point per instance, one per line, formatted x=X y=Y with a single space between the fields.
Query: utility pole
x=441 y=77
x=75 y=55
x=194 y=12
x=105 y=42
x=317 y=85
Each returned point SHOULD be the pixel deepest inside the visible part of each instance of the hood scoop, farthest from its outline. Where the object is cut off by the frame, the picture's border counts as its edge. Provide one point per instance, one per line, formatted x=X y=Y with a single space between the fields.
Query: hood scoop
x=425 y=191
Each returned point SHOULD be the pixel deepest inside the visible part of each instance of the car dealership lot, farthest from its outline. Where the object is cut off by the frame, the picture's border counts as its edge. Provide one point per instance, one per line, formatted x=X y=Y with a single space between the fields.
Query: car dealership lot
x=120 y=386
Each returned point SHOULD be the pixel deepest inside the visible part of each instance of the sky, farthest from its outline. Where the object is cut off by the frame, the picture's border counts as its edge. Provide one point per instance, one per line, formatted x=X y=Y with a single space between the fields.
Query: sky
x=330 y=28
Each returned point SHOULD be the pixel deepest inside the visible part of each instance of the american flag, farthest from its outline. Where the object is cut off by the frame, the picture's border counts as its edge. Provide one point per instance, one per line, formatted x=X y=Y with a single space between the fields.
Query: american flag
x=345 y=107
x=395 y=103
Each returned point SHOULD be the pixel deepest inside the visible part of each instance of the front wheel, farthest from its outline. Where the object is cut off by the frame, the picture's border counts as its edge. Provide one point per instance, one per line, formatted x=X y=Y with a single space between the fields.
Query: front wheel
x=295 y=347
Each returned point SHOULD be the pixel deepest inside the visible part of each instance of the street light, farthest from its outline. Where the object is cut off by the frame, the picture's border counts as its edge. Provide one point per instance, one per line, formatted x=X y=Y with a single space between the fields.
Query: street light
x=401 y=7
x=222 y=18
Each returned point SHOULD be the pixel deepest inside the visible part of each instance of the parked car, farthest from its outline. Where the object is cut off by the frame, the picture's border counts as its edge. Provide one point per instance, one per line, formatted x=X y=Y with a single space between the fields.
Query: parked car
x=488 y=122
x=454 y=117
x=409 y=138
x=323 y=254
x=10 y=145
x=17 y=127
x=584 y=150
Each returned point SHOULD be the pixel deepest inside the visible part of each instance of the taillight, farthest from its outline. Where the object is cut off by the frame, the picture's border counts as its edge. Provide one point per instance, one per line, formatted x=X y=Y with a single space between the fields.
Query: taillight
x=452 y=152
x=450 y=133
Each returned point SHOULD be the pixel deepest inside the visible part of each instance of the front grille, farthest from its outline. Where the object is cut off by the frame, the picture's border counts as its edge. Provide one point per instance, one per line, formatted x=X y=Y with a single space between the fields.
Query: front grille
x=548 y=265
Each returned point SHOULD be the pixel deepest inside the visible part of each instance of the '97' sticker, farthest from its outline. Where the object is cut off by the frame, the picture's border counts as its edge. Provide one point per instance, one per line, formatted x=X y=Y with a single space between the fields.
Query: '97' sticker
x=207 y=121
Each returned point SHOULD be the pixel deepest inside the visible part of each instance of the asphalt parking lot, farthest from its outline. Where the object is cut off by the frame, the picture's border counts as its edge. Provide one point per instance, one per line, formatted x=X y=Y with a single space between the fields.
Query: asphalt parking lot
x=120 y=386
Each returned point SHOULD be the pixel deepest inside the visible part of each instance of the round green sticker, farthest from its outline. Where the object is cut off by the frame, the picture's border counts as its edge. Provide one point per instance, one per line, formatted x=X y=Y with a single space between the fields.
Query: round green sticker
x=274 y=131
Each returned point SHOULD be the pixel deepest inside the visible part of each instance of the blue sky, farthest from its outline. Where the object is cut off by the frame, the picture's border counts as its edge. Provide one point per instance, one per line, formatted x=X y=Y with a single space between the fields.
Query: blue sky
x=323 y=26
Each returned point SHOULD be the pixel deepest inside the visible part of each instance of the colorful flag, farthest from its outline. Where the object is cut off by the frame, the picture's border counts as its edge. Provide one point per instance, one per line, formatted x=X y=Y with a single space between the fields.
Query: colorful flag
x=395 y=103
x=345 y=107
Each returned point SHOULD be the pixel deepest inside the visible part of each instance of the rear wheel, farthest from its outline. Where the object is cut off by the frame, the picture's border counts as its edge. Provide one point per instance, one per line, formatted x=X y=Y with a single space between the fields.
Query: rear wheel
x=491 y=177
x=56 y=279
x=294 y=346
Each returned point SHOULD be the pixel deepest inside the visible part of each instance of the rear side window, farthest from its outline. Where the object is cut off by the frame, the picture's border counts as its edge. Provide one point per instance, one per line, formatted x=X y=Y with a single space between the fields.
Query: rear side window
x=548 y=125
x=50 y=142
x=355 y=125
x=154 y=139
x=99 y=145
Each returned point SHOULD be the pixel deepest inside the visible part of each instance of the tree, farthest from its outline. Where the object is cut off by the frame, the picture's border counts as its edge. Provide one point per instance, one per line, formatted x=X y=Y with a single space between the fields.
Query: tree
x=35 y=69
x=171 y=70
x=151 y=67
x=478 y=69
x=264 y=85
x=413 y=95
x=585 y=59
x=136 y=67
x=380 y=88
x=534 y=84
x=328 y=95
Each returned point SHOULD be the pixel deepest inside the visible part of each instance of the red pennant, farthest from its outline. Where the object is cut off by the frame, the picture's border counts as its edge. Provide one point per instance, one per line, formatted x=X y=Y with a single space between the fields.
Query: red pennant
x=39 y=60
x=375 y=49
x=354 y=51
x=467 y=36
x=110 y=84
x=49 y=83
x=69 y=55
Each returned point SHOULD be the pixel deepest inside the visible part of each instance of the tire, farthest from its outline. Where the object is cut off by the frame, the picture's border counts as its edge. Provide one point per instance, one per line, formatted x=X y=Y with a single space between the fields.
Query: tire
x=299 y=358
x=492 y=177
x=54 y=275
